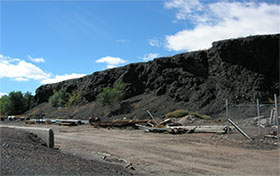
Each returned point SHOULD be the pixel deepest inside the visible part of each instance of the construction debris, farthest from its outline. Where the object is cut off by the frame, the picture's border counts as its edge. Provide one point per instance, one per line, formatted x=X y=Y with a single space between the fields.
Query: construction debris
x=151 y=129
x=239 y=129
x=152 y=117
x=119 y=123
x=271 y=136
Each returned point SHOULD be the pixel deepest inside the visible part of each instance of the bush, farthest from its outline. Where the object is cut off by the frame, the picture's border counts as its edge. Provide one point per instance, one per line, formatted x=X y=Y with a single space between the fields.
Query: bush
x=109 y=96
x=59 y=98
x=75 y=98
x=181 y=113
x=177 y=113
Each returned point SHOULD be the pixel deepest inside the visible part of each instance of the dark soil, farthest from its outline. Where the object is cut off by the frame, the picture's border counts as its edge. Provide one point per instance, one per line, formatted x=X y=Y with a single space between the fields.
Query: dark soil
x=23 y=154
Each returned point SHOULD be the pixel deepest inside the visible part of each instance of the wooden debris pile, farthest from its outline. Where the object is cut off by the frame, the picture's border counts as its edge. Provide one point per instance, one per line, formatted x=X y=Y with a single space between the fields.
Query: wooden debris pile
x=176 y=128
x=119 y=123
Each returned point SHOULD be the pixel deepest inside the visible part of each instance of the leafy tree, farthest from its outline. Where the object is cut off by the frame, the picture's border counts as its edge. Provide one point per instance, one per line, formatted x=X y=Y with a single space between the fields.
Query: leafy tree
x=4 y=102
x=15 y=103
x=109 y=96
x=75 y=98
x=27 y=100
x=59 y=98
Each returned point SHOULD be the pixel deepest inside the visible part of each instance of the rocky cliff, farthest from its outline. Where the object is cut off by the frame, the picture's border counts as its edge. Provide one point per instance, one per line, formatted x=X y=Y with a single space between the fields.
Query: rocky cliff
x=241 y=70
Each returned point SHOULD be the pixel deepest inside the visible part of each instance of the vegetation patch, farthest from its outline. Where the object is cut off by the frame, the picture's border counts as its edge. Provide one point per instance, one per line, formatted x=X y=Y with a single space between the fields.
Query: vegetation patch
x=109 y=96
x=75 y=98
x=181 y=113
x=15 y=103
x=177 y=113
x=59 y=98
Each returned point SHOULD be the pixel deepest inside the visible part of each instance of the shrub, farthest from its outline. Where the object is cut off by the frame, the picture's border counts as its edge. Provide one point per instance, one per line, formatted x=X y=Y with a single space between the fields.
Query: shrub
x=75 y=98
x=180 y=113
x=177 y=113
x=109 y=96
x=59 y=98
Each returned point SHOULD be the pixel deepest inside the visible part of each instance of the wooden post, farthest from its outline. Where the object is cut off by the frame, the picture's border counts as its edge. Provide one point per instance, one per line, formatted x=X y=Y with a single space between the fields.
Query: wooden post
x=276 y=115
x=152 y=117
x=259 y=118
x=239 y=129
x=227 y=114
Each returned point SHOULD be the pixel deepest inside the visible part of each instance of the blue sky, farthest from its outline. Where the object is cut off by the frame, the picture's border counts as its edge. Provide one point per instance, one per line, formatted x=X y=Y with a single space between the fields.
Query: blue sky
x=48 y=41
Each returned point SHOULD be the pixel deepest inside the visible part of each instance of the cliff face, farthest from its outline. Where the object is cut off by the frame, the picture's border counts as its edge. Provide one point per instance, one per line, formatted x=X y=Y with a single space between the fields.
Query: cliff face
x=241 y=70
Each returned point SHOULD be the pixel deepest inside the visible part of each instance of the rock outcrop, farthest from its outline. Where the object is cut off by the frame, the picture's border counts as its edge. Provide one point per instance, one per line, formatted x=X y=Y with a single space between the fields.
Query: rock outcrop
x=241 y=70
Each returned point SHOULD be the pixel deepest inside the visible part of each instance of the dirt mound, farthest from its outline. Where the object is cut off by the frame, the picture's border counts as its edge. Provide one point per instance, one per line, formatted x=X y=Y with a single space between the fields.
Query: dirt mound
x=22 y=154
x=241 y=70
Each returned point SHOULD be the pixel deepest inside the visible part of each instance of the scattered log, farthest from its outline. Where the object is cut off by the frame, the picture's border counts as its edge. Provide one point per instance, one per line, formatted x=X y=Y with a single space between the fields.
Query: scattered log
x=119 y=123
x=176 y=130
x=68 y=124
x=184 y=129
x=201 y=129
x=165 y=122
x=270 y=136
x=152 y=117
x=151 y=129
x=239 y=129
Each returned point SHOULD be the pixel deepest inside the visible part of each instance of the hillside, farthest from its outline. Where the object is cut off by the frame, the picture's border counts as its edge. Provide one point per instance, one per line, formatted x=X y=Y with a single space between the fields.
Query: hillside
x=241 y=70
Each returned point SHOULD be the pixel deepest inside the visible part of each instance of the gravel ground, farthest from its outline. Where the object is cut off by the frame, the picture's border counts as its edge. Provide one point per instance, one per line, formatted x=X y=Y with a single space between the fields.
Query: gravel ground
x=23 y=154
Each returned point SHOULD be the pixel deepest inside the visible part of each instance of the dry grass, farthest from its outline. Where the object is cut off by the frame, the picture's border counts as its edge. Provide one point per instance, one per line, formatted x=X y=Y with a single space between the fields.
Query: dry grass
x=181 y=113
x=177 y=113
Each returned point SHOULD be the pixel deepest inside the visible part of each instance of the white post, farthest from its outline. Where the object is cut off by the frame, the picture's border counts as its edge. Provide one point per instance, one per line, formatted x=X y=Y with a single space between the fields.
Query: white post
x=227 y=114
x=276 y=115
x=259 y=118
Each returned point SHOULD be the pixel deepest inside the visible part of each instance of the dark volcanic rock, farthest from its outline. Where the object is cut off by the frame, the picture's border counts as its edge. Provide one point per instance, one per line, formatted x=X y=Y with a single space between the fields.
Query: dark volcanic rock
x=241 y=70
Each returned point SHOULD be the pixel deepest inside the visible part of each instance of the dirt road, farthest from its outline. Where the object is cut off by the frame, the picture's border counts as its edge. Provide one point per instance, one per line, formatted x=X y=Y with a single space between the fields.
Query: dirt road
x=166 y=154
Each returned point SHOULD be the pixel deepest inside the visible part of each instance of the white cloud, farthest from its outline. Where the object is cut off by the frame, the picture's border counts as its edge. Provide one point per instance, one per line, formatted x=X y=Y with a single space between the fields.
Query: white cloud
x=20 y=70
x=38 y=60
x=20 y=79
x=150 y=56
x=111 y=61
x=154 y=42
x=222 y=20
x=59 y=78
x=2 y=93
x=184 y=7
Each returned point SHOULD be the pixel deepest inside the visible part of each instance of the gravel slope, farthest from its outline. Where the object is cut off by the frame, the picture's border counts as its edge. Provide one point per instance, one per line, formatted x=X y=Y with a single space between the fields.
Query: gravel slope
x=23 y=154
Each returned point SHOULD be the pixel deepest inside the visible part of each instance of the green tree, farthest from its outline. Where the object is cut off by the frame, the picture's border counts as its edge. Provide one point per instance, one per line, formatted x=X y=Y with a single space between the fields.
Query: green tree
x=75 y=98
x=110 y=96
x=59 y=98
x=4 y=105
x=16 y=103
x=27 y=100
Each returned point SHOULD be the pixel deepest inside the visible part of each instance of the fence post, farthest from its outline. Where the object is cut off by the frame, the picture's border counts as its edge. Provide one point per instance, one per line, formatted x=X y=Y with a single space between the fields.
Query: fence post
x=259 y=118
x=276 y=115
x=227 y=114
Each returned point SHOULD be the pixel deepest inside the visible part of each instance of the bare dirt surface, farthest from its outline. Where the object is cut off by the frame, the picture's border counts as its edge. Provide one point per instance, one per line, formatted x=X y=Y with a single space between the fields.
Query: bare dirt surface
x=23 y=154
x=124 y=151
x=165 y=154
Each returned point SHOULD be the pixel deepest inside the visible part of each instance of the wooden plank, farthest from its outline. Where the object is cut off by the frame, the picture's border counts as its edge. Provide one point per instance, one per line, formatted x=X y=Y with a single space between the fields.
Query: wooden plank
x=202 y=129
x=152 y=117
x=119 y=123
x=239 y=129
